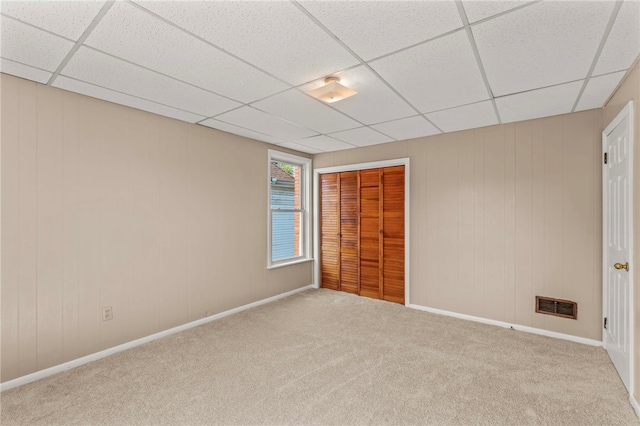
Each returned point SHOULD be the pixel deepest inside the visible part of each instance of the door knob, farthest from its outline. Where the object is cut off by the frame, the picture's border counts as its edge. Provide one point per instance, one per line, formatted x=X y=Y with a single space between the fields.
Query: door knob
x=621 y=266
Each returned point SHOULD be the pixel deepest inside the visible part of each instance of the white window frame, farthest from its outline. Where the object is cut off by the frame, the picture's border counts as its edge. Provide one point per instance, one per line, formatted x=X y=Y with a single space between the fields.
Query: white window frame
x=305 y=204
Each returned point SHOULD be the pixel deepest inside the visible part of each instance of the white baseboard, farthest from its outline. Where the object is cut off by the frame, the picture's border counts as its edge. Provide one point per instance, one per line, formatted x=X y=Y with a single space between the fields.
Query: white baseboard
x=96 y=356
x=635 y=405
x=526 y=329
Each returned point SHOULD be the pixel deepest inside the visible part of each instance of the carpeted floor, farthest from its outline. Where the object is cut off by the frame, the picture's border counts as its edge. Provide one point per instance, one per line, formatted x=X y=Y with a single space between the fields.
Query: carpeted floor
x=324 y=357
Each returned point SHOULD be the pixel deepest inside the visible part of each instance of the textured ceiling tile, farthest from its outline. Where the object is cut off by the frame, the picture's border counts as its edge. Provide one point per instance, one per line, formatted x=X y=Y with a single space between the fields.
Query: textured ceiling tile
x=545 y=43
x=465 y=117
x=437 y=75
x=323 y=143
x=66 y=18
x=374 y=103
x=362 y=137
x=598 y=90
x=477 y=10
x=541 y=45
x=538 y=103
x=623 y=44
x=22 y=43
x=275 y=36
x=24 y=71
x=230 y=128
x=261 y=122
x=407 y=128
x=97 y=68
x=375 y=28
x=299 y=108
x=122 y=99
x=173 y=52
x=301 y=148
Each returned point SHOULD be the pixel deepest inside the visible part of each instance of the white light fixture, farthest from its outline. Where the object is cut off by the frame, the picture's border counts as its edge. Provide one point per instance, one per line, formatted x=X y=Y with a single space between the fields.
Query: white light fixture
x=332 y=91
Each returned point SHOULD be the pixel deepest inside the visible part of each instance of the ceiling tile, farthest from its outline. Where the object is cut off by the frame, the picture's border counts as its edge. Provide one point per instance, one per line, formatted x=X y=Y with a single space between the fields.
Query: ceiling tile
x=407 y=128
x=375 y=28
x=623 y=44
x=122 y=99
x=66 y=18
x=24 y=71
x=436 y=75
x=478 y=10
x=299 y=108
x=230 y=128
x=374 y=103
x=103 y=70
x=465 y=117
x=362 y=137
x=166 y=49
x=538 y=103
x=30 y=46
x=261 y=122
x=152 y=55
x=323 y=143
x=301 y=148
x=263 y=35
x=598 y=90
x=545 y=44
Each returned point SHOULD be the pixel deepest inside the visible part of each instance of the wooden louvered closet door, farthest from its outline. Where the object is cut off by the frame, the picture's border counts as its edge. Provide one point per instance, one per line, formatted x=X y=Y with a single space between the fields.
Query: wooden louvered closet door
x=348 y=238
x=329 y=230
x=362 y=232
x=393 y=234
x=370 y=225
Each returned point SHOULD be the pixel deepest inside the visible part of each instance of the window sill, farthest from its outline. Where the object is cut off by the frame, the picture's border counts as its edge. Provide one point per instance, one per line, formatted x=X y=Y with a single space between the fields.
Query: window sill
x=289 y=263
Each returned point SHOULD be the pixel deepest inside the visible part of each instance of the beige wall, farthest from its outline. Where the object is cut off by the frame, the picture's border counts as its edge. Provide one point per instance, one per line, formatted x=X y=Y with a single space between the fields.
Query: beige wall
x=502 y=214
x=103 y=205
x=628 y=90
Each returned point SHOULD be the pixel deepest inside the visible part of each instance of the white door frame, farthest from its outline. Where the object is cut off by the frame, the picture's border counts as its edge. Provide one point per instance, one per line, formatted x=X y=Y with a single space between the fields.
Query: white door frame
x=627 y=111
x=316 y=212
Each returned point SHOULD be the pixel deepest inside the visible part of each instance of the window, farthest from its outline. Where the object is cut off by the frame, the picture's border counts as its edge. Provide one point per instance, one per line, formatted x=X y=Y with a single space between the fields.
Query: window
x=289 y=190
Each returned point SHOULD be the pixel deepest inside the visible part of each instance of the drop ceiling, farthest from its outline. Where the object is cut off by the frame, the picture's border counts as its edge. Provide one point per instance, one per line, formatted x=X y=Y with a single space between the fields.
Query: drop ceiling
x=420 y=67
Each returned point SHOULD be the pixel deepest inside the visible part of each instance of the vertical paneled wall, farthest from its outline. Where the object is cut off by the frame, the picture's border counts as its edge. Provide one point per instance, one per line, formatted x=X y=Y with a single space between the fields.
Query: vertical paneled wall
x=104 y=205
x=502 y=214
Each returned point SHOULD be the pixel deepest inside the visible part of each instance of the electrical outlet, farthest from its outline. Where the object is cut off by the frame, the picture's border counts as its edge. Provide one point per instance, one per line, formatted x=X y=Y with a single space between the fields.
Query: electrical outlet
x=107 y=313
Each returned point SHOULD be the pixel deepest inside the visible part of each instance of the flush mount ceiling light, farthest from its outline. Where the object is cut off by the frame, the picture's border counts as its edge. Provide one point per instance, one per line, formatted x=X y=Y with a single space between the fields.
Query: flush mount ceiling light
x=332 y=91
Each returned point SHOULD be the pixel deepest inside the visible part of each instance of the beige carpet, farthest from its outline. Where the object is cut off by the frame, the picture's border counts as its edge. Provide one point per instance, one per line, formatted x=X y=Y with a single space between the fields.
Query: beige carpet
x=324 y=357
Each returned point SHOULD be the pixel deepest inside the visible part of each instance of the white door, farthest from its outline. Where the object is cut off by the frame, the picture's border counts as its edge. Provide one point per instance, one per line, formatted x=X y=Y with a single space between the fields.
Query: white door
x=617 y=232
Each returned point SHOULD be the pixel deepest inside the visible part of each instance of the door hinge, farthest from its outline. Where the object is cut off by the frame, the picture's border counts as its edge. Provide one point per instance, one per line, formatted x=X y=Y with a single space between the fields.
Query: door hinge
x=605 y=323
x=605 y=158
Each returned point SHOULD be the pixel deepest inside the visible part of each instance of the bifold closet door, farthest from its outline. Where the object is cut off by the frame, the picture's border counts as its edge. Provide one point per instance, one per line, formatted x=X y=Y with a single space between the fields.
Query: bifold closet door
x=362 y=232
x=339 y=231
x=348 y=234
x=329 y=231
x=393 y=234
x=370 y=241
